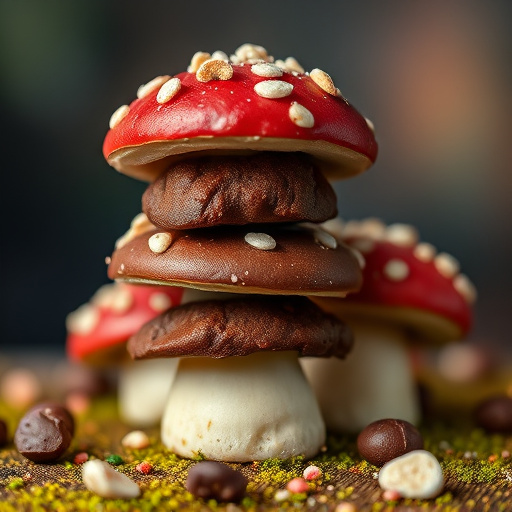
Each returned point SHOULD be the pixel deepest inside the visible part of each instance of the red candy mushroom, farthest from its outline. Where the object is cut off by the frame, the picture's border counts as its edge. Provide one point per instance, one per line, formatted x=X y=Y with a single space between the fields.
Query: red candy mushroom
x=409 y=293
x=245 y=103
x=97 y=335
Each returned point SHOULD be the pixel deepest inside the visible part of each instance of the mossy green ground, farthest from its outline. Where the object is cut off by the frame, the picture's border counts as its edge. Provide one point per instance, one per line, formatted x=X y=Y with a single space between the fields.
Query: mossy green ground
x=477 y=469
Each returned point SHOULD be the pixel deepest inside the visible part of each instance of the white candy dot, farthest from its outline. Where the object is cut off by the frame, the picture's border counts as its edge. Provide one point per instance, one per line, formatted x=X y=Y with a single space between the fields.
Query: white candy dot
x=301 y=116
x=160 y=242
x=260 y=241
x=425 y=252
x=325 y=239
x=396 y=270
x=151 y=86
x=465 y=287
x=267 y=70
x=83 y=320
x=168 y=90
x=118 y=116
x=273 y=89
x=446 y=265
x=401 y=234
x=159 y=302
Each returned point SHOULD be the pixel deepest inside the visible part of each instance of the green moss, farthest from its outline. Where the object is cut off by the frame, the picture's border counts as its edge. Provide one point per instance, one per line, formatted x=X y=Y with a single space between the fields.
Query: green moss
x=115 y=460
x=15 y=483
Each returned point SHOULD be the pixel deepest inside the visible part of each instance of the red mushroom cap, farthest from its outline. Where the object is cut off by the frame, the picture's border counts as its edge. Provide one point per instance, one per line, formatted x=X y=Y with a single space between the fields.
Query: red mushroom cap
x=116 y=312
x=406 y=282
x=291 y=112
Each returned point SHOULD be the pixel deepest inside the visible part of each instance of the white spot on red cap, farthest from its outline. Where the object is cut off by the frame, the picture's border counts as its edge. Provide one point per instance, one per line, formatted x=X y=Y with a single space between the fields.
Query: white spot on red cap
x=465 y=287
x=84 y=320
x=425 y=252
x=152 y=85
x=159 y=302
x=168 y=90
x=301 y=116
x=273 y=89
x=118 y=116
x=266 y=69
x=401 y=234
x=323 y=80
x=447 y=265
x=396 y=270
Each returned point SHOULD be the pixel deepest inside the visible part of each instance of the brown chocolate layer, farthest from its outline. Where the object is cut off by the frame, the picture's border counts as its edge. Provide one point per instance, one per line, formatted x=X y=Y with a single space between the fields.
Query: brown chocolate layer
x=240 y=327
x=221 y=259
x=265 y=187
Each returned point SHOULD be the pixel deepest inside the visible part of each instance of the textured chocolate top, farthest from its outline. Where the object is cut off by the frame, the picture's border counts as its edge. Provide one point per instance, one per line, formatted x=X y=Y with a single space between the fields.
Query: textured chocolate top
x=240 y=327
x=264 y=187
x=221 y=259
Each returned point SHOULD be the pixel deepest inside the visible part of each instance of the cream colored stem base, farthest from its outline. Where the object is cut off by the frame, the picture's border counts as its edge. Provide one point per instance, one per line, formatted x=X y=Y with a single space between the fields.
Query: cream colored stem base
x=241 y=409
x=374 y=381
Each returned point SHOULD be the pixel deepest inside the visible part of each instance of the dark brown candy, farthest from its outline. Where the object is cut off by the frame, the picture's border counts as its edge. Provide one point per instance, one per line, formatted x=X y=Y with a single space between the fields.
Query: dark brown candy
x=384 y=440
x=213 y=480
x=241 y=189
x=495 y=414
x=44 y=433
x=3 y=432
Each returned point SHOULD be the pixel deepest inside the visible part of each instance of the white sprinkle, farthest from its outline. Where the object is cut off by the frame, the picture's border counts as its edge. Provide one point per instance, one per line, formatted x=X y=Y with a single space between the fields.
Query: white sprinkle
x=323 y=80
x=416 y=475
x=372 y=228
x=465 y=287
x=325 y=239
x=234 y=279
x=83 y=320
x=260 y=241
x=197 y=59
x=273 y=89
x=267 y=70
x=159 y=302
x=101 y=478
x=301 y=116
x=122 y=301
x=219 y=55
x=446 y=265
x=168 y=90
x=121 y=268
x=291 y=65
x=396 y=270
x=250 y=51
x=425 y=252
x=160 y=242
x=151 y=86
x=401 y=234
x=136 y=439
x=370 y=124
x=118 y=116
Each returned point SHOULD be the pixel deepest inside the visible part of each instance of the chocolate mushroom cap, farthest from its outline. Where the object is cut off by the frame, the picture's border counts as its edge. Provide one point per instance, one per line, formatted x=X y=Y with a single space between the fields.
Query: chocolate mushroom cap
x=281 y=260
x=240 y=327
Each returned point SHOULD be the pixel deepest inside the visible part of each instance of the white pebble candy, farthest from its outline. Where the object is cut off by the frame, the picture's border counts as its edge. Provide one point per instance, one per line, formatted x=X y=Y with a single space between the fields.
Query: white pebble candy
x=261 y=241
x=273 y=89
x=416 y=475
x=101 y=478
x=136 y=439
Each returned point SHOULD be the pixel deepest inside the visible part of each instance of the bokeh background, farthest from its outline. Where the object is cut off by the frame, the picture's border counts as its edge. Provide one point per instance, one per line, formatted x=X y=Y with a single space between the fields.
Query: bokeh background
x=434 y=77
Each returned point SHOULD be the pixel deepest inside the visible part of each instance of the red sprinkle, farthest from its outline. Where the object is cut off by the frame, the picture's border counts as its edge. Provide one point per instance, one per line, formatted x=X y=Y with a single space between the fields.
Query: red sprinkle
x=297 y=485
x=80 y=458
x=391 y=495
x=312 y=473
x=144 y=467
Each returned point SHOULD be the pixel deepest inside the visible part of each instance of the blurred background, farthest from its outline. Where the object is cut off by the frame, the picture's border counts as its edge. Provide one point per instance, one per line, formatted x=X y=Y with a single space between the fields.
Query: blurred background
x=434 y=77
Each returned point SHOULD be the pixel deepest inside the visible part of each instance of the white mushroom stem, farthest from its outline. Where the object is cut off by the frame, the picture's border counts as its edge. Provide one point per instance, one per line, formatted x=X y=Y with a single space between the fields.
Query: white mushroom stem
x=374 y=382
x=143 y=390
x=241 y=409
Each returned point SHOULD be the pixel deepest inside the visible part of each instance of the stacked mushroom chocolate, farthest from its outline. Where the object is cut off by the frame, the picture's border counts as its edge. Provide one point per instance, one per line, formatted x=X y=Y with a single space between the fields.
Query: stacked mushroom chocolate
x=238 y=151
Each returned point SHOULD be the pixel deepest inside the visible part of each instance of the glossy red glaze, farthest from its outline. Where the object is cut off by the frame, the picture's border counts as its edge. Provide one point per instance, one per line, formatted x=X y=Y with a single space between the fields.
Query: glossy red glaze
x=113 y=327
x=231 y=108
x=423 y=289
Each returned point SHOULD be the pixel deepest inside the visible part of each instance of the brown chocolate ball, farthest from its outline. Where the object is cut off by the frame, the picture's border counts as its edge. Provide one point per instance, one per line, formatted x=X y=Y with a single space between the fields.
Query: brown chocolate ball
x=213 y=480
x=44 y=433
x=495 y=414
x=384 y=440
